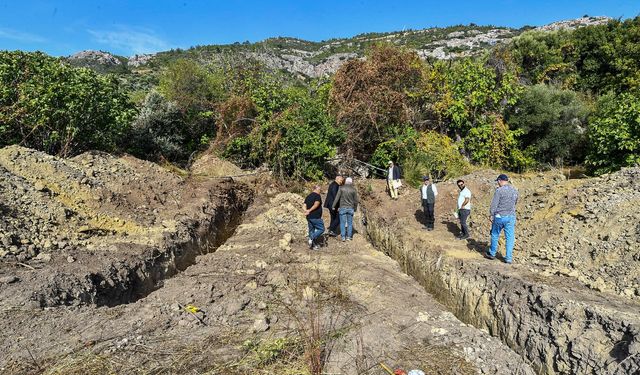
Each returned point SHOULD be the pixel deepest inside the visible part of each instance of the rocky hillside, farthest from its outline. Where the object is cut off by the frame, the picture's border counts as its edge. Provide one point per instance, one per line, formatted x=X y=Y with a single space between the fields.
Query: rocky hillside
x=308 y=59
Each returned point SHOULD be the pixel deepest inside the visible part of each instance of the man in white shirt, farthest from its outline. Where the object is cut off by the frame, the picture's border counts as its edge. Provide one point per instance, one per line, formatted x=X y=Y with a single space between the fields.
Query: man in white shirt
x=428 y=193
x=464 y=209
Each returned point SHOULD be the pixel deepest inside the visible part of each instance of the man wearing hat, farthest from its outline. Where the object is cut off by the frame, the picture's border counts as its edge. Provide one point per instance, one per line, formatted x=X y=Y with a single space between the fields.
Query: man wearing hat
x=503 y=216
x=393 y=179
x=428 y=193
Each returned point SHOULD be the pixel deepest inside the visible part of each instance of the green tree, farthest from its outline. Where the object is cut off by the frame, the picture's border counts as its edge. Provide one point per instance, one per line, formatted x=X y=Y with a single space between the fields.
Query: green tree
x=158 y=131
x=614 y=133
x=553 y=123
x=493 y=144
x=50 y=106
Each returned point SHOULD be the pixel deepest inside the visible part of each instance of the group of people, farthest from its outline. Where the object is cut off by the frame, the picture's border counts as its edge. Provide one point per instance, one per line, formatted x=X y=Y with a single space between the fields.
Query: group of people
x=502 y=212
x=342 y=202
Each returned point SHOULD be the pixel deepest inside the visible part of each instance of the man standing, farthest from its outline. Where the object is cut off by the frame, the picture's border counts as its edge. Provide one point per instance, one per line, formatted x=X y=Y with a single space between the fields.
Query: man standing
x=464 y=209
x=313 y=211
x=393 y=180
x=503 y=216
x=328 y=203
x=428 y=193
x=347 y=199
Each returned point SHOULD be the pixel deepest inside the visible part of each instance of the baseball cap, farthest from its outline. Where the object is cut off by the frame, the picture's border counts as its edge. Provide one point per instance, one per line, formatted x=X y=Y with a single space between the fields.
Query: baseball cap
x=425 y=178
x=502 y=177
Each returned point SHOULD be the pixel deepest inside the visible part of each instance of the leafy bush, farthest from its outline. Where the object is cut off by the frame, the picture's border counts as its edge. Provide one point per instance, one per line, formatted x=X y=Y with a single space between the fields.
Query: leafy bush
x=158 y=130
x=294 y=136
x=437 y=156
x=553 y=123
x=59 y=109
x=614 y=133
x=397 y=149
x=493 y=144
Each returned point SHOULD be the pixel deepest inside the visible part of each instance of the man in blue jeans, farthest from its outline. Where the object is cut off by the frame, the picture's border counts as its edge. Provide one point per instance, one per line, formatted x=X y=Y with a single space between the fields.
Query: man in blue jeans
x=503 y=216
x=347 y=200
x=313 y=211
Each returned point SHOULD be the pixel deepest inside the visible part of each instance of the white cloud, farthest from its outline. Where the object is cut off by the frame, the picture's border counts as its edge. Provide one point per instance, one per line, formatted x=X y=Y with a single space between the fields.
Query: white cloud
x=130 y=40
x=20 y=36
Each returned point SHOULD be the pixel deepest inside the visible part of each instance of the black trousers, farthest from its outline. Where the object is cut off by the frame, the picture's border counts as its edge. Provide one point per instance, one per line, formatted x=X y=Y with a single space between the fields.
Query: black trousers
x=464 y=215
x=334 y=224
x=429 y=214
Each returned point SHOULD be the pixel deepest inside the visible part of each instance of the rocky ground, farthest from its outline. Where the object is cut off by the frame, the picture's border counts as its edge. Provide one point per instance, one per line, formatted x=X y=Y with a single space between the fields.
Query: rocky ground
x=131 y=282
x=110 y=264
x=547 y=307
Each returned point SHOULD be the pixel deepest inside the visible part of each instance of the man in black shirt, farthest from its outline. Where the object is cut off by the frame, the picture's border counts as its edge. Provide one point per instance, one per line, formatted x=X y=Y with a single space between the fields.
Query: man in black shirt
x=313 y=211
x=334 y=224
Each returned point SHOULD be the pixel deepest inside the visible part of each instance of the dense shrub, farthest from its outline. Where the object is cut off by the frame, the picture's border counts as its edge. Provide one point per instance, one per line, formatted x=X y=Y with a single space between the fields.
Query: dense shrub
x=436 y=156
x=370 y=97
x=294 y=136
x=614 y=133
x=59 y=109
x=553 y=123
x=158 y=131
x=493 y=144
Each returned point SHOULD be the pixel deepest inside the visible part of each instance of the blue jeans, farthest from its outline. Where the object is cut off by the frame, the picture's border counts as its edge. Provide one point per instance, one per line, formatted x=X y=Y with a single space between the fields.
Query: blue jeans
x=346 y=219
x=508 y=223
x=316 y=228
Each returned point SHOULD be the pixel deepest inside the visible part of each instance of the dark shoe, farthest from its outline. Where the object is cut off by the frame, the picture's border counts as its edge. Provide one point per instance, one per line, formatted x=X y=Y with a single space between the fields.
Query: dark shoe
x=429 y=229
x=462 y=238
x=315 y=247
x=508 y=261
x=425 y=227
x=488 y=256
x=332 y=233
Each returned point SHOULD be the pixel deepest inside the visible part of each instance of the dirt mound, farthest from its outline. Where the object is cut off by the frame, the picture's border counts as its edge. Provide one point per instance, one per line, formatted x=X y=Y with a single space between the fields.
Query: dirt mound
x=210 y=165
x=82 y=230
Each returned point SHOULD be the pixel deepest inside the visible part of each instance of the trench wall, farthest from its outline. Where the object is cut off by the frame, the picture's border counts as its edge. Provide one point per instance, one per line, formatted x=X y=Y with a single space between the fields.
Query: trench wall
x=556 y=331
x=127 y=281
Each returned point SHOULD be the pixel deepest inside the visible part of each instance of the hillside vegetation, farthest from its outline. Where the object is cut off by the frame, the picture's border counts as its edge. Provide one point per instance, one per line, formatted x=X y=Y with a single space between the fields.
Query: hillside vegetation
x=551 y=96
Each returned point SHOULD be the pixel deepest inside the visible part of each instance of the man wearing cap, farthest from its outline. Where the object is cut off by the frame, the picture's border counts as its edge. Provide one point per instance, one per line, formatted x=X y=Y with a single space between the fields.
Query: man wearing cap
x=428 y=193
x=503 y=216
x=393 y=180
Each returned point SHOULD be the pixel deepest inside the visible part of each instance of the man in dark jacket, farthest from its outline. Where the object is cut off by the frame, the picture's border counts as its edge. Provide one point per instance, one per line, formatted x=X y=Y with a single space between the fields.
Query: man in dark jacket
x=328 y=203
x=347 y=199
x=393 y=179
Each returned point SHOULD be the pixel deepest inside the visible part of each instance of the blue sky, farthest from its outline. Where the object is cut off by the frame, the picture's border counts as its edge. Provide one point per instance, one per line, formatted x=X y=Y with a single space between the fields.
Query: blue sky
x=129 y=27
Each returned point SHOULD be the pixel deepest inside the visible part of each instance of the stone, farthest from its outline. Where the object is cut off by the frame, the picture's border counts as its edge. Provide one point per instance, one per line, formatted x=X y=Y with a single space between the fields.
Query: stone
x=261 y=324
x=8 y=279
x=45 y=257
x=70 y=259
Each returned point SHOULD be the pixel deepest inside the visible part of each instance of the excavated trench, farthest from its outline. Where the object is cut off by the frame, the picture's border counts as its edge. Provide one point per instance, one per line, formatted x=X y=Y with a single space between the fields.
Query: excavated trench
x=558 y=330
x=127 y=281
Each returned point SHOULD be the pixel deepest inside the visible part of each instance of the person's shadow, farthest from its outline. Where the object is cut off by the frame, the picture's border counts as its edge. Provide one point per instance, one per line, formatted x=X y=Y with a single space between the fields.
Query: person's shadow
x=420 y=218
x=452 y=227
